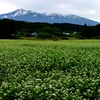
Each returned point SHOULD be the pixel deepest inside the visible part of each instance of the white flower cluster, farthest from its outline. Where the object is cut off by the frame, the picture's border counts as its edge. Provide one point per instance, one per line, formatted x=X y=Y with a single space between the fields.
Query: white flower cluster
x=49 y=70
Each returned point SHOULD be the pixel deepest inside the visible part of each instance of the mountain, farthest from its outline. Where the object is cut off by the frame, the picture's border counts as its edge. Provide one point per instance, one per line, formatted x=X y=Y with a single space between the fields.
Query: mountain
x=30 y=16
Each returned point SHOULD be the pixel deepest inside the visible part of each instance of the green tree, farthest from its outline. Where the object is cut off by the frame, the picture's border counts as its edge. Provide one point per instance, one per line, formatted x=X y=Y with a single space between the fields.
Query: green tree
x=7 y=28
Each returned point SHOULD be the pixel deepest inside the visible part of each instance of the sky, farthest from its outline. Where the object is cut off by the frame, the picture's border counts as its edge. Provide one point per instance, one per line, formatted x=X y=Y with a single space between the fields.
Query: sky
x=85 y=8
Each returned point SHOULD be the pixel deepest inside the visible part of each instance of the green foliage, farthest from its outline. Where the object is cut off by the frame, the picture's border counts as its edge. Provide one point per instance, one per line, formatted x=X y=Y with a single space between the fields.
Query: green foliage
x=96 y=37
x=9 y=27
x=54 y=31
x=49 y=70
x=45 y=35
x=15 y=36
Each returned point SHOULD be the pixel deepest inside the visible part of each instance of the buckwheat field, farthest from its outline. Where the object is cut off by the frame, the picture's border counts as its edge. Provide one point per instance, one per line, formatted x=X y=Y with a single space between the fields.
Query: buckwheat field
x=49 y=70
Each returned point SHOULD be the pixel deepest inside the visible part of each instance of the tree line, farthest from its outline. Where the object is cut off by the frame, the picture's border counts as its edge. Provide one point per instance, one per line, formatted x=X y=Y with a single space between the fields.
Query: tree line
x=10 y=29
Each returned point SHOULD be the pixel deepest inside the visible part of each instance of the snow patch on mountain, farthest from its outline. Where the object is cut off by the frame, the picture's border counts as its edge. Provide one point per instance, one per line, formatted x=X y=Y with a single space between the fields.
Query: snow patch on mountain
x=70 y=16
x=5 y=16
x=46 y=14
x=20 y=12
x=34 y=15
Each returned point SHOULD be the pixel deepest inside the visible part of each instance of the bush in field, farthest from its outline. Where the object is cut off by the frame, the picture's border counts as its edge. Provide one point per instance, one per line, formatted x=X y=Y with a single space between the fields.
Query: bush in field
x=96 y=37
x=15 y=36
x=45 y=35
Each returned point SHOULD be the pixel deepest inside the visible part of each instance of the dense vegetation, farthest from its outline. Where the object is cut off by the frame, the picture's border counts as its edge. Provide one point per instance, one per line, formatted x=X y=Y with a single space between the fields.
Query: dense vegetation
x=49 y=70
x=17 y=29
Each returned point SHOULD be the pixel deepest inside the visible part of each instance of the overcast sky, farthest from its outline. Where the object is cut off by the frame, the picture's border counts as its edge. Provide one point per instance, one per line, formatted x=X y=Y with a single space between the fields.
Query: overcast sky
x=84 y=8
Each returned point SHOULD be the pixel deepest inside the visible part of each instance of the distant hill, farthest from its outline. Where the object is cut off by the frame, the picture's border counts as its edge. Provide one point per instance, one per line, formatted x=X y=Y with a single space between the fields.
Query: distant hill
x=30 y=16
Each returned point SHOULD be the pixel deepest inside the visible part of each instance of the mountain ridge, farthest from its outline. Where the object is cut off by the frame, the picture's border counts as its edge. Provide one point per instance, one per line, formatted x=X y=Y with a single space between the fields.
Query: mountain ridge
x=30 y=16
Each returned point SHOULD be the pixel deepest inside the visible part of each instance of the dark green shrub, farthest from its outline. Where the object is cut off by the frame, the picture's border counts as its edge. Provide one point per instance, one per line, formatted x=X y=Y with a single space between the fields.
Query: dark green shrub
x=45 y=35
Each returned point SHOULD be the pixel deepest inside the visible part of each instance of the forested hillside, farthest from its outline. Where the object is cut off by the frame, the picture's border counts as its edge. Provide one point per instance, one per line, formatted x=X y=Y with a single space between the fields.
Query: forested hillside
x=16 y=29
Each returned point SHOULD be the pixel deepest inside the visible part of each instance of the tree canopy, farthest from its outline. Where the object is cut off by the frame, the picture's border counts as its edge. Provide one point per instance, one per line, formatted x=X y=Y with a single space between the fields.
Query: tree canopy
x=10 y=28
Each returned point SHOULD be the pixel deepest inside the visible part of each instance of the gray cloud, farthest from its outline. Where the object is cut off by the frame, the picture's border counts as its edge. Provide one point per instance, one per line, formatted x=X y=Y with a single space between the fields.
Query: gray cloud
x=85 y=8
